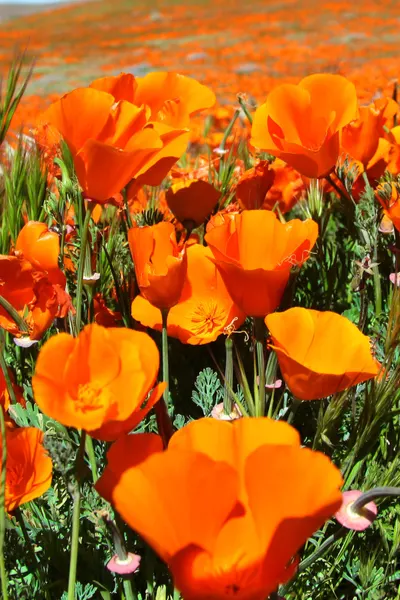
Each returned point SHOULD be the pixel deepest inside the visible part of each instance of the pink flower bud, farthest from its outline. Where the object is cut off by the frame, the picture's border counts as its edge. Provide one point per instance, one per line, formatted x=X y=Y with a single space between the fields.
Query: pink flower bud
x=395 y=279
x=360 y=520
x=126 y=566
x=218 y=413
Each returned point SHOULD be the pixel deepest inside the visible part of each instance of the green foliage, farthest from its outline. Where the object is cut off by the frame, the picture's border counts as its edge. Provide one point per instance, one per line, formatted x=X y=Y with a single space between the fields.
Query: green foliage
x=208 y=391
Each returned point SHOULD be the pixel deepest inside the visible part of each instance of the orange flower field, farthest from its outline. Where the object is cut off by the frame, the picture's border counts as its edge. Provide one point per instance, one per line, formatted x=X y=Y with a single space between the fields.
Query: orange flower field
x=200 y=301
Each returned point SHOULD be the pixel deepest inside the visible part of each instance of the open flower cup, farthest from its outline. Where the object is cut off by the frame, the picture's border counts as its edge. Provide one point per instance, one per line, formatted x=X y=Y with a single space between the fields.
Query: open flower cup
x=320 y=353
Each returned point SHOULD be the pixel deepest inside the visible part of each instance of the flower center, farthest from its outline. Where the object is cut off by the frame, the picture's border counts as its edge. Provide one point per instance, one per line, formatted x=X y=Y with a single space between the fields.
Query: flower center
x=208 y=317
x=90 y=398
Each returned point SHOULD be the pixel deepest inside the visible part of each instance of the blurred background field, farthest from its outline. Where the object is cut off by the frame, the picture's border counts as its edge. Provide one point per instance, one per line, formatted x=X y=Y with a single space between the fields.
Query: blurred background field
x=231 y=46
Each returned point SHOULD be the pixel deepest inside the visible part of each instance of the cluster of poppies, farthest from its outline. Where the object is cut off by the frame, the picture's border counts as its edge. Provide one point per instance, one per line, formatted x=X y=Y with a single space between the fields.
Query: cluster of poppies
x=201 y=272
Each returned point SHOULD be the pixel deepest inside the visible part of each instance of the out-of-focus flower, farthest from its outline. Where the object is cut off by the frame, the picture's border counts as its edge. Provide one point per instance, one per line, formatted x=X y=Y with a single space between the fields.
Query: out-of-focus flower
x=218 y=504
x=191 y=201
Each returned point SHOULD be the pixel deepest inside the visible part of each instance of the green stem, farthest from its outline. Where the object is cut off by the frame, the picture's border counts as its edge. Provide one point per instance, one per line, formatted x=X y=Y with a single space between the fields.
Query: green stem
x=14 y=314
x=76 y=521
x=92 y=458
x=164 y=316
x=3 y=572
x=229 y=129
x=259 y=331
x=245 y=109
x=81 y=266
x=128 y=590
x=228 y=404
x=293 y=410
x=322 y=549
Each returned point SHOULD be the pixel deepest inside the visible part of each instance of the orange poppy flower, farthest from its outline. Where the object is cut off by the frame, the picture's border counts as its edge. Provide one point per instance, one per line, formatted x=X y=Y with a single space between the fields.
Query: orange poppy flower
x=360 y=138
x=171 y=99
x=32 y=295
x=254 y=253
x=253 y=186
x=222 y=216
x=41 y=247
x=320 y=353
x=160 y=265
x=5 y=400
x=191 y=201
x=99 y=380
x=111 y=142
x=388 y=196
x=302 y=123
x=205 y=308
x=268 y=184
x=206 y=510
x=28 y=469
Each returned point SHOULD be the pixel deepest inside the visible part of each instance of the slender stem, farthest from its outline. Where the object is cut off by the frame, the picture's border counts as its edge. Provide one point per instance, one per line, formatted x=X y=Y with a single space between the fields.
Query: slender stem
x=14 y=314
x=374 y=494
x=6 y=373
x=229 y=129
x=3 y=572
x=293 y=410
x=322 y=549
x=164 y=423
x=245 y=109
x=342 y=193
x=164 y=316
x=76 y=521
x=128 y=590
x=92 y=458
x=81 y=266
x=228 y=404
x=259 y=331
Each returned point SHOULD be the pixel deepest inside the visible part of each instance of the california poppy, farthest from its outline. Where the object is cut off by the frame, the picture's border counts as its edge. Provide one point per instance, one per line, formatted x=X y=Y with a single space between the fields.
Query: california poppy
x=160 y=264
x=41 y=247
x=360 y=138
x=302 y=123
x=205 y=308
x=269 y=184
x=191 y=201
x=389 y=198
x=320 y=353
x=32 y=295
x=171 y=100
x=253 y=186
x=99 y=380
x=28 y=468
x=5 y=400
x=254 y=253
x=207 y=511
x=111 y=142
